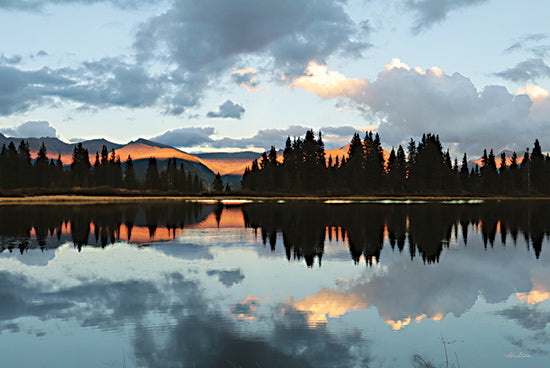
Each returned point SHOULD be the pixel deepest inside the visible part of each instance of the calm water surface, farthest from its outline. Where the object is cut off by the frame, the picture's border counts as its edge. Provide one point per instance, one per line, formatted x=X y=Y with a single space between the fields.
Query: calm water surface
x=295 y=284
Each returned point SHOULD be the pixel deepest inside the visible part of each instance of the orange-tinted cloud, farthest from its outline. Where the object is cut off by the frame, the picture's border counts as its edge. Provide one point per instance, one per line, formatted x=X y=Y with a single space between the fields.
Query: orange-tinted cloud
x=329 y=84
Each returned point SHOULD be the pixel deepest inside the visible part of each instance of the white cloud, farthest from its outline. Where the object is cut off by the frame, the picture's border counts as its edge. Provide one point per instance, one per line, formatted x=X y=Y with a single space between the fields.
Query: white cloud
x=408 y=102
x=329 y=84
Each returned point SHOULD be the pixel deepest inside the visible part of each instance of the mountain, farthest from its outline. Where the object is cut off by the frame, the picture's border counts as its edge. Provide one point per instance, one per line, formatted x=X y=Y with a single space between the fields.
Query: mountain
x=228 y=163
x=140 y=151
x=56 y=147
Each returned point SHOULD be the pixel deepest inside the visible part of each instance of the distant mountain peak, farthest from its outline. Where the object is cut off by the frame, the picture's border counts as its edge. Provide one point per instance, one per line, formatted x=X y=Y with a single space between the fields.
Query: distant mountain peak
x=151 y=143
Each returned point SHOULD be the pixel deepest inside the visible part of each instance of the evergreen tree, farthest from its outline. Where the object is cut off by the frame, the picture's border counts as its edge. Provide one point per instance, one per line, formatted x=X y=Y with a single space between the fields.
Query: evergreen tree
x=80 y=167
x=464 y=175
x=24 y=167
x=217 y=184
x=130 y=180
x=152 y=178
x=537 y=168
x=41 y=168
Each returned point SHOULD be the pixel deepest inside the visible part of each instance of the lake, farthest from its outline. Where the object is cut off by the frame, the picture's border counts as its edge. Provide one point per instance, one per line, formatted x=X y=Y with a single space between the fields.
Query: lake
x=276 y=284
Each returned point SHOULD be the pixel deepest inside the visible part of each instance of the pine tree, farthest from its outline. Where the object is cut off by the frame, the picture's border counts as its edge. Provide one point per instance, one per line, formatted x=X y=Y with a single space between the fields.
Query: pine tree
x=152 y=178
x=130 y=180
x=217 y=184
x=41 y=167
x=80 y=167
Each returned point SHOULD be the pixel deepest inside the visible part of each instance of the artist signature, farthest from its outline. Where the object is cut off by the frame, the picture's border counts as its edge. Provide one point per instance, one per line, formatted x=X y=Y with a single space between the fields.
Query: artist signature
x=520 y=355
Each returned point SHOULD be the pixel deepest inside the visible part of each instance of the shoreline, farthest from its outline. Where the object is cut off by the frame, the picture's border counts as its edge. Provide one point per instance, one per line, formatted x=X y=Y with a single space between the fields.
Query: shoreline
x=113 y=199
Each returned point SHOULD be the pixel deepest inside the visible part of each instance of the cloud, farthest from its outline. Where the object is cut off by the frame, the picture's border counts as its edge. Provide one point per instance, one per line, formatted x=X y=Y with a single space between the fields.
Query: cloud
x=186 y=137
x=195 y=46
x=329 y=84
x=201 y=44
x=247 y=79
x=333 y=136
x=531 y=44
x=528 y=70
x=36 y=129
x=228 y=110
x=14 y=59
x=264 y=139
x=407 y=102
x=104 y=83
x=38 y=5
x=430 y=12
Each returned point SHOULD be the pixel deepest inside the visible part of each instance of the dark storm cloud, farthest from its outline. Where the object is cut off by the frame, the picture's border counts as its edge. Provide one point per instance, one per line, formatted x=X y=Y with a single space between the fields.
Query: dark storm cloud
x=430 y=12
x=228 y=110
x=186 y=137
x=29 y=129
x=227 y=278
x=528 y=70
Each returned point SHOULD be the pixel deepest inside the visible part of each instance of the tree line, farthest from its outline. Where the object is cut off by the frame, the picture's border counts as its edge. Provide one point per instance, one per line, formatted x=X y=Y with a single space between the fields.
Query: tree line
x=17 y=170
x=424 y=168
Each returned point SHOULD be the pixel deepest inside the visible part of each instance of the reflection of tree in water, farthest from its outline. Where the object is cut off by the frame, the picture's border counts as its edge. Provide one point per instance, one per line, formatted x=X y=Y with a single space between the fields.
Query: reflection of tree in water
x=427 y=228
x=302 y=226
x=97 y=225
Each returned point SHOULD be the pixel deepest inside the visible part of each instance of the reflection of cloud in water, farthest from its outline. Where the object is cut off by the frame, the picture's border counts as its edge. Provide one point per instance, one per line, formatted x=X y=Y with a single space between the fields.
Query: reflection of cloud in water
x=184 y=251
x=329 y=303
x=405 y=292
x=31 y=257
x=541 y=287
x=529 y=317
x=227 y=278
x=245 y=309
x=173 y=322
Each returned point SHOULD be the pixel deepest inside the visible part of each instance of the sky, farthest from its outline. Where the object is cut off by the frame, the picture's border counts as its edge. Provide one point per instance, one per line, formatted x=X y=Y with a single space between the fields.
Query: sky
x=229 y=75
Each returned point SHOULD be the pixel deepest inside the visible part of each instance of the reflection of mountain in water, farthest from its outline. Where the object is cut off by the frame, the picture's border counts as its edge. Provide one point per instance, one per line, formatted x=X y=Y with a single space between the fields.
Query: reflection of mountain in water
x=47 y=227
x=426 y=228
